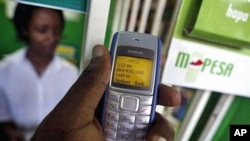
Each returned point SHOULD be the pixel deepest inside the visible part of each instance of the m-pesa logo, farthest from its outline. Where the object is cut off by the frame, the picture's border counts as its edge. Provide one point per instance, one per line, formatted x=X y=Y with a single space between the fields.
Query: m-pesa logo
x=196 y=64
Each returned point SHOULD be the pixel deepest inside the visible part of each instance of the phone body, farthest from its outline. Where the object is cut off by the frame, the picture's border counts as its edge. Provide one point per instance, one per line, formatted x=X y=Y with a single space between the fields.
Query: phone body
x=130 y=97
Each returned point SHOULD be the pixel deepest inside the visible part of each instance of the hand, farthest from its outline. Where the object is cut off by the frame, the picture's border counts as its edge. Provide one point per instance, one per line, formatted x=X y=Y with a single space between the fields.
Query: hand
x=73 y=118
x=10 y=132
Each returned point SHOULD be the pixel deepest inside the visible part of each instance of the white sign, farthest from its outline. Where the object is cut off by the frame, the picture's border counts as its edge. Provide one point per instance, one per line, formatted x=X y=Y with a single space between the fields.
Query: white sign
x=199 y=66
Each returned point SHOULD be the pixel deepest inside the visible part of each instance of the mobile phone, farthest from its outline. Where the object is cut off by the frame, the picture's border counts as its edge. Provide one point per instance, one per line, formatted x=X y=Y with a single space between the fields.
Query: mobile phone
x=130 y=97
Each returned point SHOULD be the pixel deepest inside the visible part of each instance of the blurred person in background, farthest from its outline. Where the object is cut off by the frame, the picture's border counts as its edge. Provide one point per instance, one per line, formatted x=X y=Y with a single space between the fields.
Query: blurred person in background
x=33 y=79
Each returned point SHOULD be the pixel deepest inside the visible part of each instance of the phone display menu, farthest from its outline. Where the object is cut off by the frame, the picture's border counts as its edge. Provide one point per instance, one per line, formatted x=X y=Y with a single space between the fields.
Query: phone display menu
x=132 y=71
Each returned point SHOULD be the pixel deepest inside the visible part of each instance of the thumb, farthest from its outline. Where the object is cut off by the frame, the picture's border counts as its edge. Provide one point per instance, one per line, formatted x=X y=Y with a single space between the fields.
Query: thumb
x=92 y=82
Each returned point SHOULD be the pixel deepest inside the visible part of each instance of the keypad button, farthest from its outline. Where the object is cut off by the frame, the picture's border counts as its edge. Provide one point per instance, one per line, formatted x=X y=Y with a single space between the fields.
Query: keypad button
x=111 y=134
x=127 y=127
x=110 y=124
x=121 y=136
x=144 y=110
x=141 y=127
x=146 y=100
x=129 y=103
x=112 y=115
x=114 y=96
x=142 y=119
x=125 y=117
x=112 y=105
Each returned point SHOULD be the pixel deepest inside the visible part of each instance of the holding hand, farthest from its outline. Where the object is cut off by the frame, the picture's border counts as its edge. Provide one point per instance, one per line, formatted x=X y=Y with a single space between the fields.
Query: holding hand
x=73 y=118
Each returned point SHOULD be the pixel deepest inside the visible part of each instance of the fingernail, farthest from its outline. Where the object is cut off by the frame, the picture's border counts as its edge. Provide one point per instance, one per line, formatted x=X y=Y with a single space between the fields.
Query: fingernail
x=97 y=51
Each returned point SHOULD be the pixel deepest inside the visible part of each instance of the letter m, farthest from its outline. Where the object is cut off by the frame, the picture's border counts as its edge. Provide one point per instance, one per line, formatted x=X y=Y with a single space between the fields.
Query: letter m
x=182 y=60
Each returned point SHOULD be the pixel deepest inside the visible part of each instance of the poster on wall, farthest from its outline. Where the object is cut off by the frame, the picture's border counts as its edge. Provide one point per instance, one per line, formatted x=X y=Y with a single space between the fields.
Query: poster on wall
x=75 y=5
x=207 y=61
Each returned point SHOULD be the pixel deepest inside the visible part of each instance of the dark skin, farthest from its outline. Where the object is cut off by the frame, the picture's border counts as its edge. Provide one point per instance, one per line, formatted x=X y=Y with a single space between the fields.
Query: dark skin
x=73 y=118
x=10 y=132
x=44 y=33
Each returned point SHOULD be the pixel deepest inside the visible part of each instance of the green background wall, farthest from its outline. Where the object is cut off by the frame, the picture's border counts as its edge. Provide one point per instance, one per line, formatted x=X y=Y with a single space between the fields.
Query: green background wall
x=238 y=110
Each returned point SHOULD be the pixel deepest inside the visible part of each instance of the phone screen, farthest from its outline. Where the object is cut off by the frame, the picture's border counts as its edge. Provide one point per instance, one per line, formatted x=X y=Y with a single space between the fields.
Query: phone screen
x=132 y=71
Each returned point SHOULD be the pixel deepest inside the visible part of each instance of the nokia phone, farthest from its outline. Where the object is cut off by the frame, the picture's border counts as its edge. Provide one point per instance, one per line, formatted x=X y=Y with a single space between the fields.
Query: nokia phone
x=130 y=97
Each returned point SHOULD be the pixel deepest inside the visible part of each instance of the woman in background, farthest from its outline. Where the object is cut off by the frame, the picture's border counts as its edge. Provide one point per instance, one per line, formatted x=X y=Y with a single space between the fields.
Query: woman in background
x=33 y=79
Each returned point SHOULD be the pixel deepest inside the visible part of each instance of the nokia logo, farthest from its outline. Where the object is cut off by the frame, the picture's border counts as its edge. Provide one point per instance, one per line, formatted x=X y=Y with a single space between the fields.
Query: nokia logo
x=135 y=52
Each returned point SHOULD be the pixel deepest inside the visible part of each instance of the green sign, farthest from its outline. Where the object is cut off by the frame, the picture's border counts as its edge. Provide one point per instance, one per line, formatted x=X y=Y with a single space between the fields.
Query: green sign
x=223 y=21
x=76 y=5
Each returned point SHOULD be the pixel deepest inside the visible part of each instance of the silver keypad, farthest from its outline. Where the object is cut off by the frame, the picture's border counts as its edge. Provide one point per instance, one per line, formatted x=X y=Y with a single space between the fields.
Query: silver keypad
x=127 y=117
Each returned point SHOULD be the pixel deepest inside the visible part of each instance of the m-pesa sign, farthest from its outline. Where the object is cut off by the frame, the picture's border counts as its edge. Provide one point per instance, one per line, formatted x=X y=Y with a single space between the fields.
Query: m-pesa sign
x=199 y=66
x=195 y=63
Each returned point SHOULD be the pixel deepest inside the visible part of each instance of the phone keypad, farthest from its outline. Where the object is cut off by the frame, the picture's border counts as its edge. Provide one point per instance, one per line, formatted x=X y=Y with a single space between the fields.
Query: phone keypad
x=127 y=117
